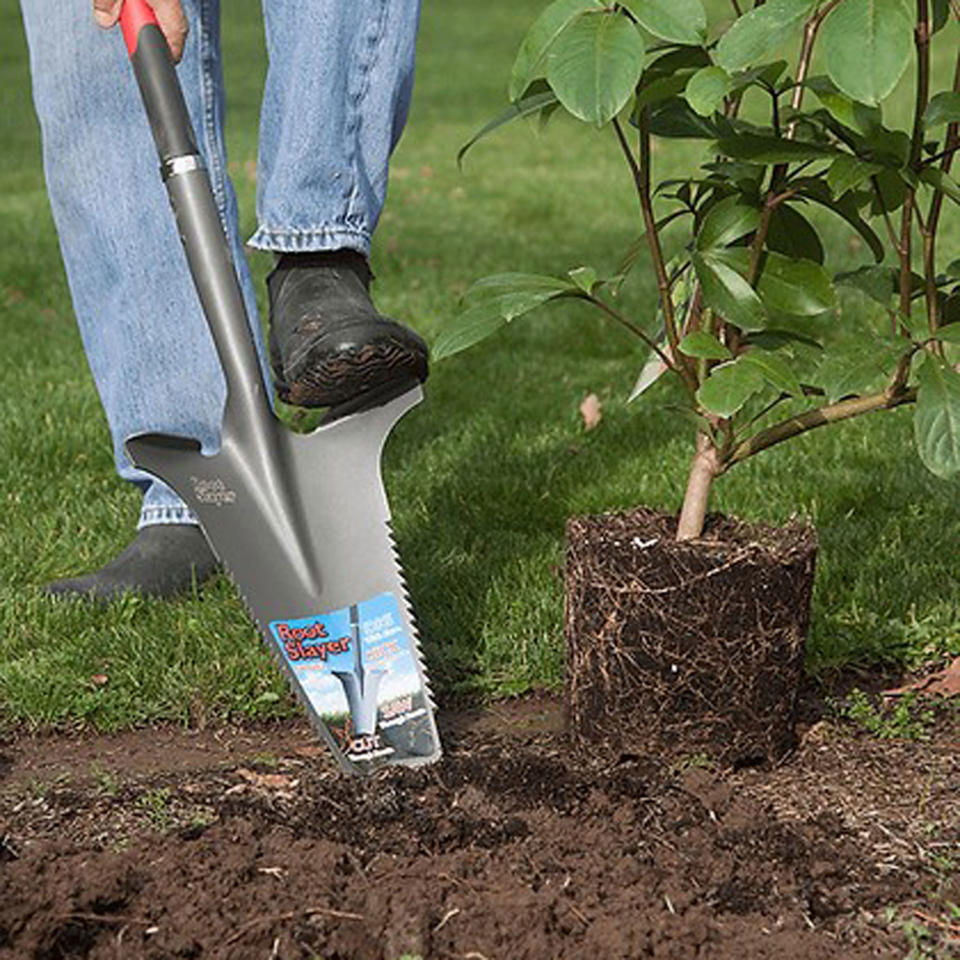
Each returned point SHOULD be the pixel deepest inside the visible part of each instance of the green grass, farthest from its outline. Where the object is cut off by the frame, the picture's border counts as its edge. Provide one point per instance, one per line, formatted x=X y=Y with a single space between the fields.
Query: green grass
x=483 y=475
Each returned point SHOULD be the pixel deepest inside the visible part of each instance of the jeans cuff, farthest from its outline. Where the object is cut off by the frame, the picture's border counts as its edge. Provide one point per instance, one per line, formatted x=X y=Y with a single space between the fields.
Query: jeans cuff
x=306 y=241
x=158 y=515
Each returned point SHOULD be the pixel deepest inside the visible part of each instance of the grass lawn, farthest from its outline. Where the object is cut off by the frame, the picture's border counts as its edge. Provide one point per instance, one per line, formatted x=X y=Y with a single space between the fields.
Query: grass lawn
x=483 y=475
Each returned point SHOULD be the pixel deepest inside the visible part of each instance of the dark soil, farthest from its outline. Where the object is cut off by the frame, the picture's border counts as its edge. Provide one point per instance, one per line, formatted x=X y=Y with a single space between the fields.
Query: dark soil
x=680 y=648
x=245 y=843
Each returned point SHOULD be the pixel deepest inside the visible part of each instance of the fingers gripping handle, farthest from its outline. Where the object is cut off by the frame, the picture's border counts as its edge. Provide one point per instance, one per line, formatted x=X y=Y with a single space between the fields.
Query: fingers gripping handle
x=135 y=15
x=157 y=78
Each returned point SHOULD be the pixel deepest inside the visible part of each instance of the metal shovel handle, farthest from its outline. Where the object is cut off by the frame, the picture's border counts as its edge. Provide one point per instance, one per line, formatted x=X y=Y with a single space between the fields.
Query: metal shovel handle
x=157 y=77
x=198 y=219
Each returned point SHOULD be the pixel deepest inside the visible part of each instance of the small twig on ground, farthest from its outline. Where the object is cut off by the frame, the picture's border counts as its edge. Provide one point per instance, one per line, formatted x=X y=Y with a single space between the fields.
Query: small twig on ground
x=338 y=914
x=358 y=866
x=454 y=880
x=950 y=927
x=118 y=943
x=245 y=928
x=449 y=915
x=579 y=915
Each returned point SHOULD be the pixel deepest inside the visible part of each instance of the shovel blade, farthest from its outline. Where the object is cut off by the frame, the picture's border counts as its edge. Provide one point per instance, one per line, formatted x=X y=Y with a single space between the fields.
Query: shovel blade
x=301 y=523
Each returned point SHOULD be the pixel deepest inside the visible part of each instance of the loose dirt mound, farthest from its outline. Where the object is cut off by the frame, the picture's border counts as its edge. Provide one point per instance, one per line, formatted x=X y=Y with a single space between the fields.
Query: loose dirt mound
x=246 y=844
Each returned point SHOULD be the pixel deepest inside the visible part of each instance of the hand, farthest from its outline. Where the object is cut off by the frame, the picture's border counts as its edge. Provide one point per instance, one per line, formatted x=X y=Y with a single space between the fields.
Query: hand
x=173 y=23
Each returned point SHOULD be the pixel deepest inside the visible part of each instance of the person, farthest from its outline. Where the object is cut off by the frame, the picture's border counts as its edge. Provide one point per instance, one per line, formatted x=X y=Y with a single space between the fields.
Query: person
x=335 y=101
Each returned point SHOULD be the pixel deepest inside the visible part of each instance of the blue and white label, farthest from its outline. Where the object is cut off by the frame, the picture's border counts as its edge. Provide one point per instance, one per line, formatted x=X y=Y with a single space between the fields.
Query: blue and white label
x=357 y=668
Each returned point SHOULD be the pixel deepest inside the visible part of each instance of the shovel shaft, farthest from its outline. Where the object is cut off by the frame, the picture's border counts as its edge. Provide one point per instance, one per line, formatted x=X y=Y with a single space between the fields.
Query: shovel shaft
x=198 y=219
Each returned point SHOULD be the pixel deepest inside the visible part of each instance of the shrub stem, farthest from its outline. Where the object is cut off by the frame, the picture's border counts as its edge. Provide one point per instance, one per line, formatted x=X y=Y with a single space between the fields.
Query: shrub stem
x=703 y=471
x=809 y=420
x=929 y=231
x=641 y=179
x=921 y=39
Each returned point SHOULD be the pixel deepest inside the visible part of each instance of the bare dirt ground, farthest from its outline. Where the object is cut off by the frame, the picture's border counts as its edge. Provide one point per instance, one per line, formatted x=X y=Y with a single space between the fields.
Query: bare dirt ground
x=244 y=843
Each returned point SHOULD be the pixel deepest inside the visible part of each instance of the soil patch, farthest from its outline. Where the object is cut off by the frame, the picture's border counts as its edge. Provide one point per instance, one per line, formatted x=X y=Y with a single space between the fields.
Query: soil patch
x=246 y=842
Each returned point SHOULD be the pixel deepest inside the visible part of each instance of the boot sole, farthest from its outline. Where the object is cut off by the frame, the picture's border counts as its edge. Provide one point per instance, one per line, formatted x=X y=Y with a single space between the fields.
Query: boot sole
x=349 y=377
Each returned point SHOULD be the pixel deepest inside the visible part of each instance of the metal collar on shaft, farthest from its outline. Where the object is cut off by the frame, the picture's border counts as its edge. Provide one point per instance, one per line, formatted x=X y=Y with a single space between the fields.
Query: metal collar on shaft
x=177 y=166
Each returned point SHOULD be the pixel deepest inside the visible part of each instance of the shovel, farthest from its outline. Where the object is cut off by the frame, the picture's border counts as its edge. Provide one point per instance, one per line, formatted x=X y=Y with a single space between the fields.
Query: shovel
x=301 y=522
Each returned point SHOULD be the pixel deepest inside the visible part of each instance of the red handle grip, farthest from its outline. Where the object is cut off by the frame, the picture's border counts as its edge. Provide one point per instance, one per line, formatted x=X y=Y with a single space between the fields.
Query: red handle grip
x=134 y=16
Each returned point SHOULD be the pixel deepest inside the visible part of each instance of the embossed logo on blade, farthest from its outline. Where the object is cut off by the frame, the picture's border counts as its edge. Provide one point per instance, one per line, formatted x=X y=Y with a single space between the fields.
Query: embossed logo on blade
x=213 y=491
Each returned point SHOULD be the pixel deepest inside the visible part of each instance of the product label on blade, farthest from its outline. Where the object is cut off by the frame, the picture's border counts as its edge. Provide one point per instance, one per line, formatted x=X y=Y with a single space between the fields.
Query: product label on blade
x=357 y=668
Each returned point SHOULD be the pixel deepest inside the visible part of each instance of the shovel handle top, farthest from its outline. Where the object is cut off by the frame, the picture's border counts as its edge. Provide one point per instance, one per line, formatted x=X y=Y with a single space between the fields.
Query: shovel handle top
x=134 y=16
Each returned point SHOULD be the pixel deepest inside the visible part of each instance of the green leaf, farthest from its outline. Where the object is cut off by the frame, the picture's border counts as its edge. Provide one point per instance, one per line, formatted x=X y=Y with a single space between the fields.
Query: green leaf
x=662 y=88
x=546 y=28
x=745 y=176
x=889 y=147
x=936 y=421
x=706 y=89
x=948 y=334
x=756 y=33
x=676 y=21
x=893 y=191
x=878 y=283
x=668 y=74
x=848 y=373
x=775 y=370
x=953 y=269
x=729 y=387
x=522 y=108
x=763 y=149
x=547 y=111
x=511 y=290
x=791 y=234
x=800 y=288
x=493 y=302
x=726 y=292
x=584 y=277
x=737 y=258
x=847 y=172
x=949 y=310
x=727 y=221
x=846 y=206
x=940 y=180
x=858 y=117
x=675 y=61
x=778 y=339
x=767 y=73
x=942 y=108
x=594 y=65
x=704 y=345
x=652 y=371
x=941 y=14
x=675 y=118
x=867 y=45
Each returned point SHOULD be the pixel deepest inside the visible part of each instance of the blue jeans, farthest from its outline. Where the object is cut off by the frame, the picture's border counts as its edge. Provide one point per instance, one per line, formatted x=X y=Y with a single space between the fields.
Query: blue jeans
x=335 y=101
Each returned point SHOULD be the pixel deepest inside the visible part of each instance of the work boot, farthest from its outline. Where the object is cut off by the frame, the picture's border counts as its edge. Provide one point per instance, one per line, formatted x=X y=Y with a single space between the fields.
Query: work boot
x=163 y=560
x=328 y=345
